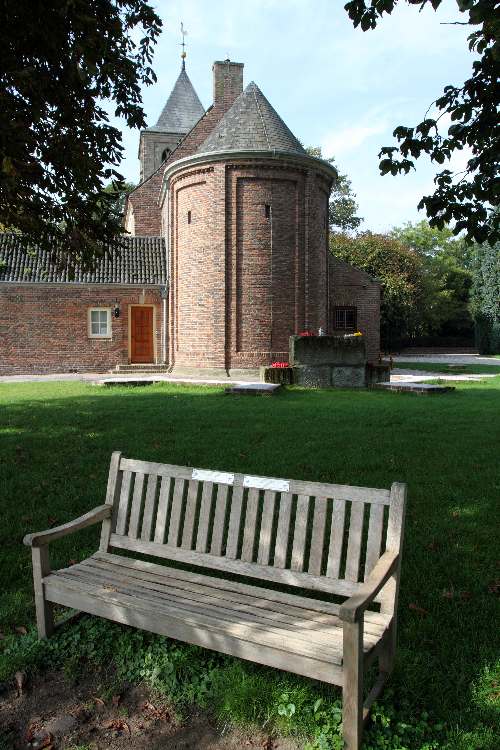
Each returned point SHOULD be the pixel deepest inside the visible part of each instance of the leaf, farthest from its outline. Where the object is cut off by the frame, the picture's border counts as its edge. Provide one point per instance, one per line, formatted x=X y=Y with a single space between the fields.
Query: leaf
x=52 y=522
x=115 y=700
x=448 y=594
x=494 y=587
x=416 y=608
x=465 y=595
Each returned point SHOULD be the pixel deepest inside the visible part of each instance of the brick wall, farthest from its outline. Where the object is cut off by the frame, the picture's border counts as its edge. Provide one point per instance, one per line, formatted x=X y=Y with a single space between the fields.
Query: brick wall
x=143 y=202
x=44 y=327
x=351 y=287
x=243 y=280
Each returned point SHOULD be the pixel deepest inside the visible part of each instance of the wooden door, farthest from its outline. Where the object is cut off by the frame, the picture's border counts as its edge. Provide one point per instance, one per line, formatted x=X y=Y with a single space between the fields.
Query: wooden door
x=141 y=334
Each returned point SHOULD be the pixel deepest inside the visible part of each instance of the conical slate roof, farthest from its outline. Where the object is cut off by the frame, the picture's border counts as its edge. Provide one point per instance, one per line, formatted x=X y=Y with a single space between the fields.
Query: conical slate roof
x=183 y=108
x=251 y=124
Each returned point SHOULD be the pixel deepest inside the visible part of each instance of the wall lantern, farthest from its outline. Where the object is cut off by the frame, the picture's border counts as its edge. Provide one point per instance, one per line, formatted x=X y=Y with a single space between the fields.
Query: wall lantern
x=164 y=292
x=116 y=310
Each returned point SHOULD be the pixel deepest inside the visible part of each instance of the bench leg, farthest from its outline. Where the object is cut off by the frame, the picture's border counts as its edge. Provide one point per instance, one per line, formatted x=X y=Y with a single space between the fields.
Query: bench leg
x=388 y=652
x=352 y=693
x=44 y=614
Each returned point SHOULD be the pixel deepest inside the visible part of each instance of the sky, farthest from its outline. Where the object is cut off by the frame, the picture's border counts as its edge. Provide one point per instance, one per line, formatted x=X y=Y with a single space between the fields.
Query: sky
x=335 y=86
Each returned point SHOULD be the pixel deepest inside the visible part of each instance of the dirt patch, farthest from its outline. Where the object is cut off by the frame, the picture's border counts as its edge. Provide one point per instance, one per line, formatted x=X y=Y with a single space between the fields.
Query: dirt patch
x=52 y=713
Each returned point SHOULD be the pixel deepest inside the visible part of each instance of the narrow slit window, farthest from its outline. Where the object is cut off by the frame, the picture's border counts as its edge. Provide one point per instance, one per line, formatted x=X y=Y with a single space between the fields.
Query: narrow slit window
x=267 y=210
x=189 y=217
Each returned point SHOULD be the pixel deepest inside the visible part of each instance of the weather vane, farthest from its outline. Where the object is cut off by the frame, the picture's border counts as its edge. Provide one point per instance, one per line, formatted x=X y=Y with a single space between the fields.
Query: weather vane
x=183 y=45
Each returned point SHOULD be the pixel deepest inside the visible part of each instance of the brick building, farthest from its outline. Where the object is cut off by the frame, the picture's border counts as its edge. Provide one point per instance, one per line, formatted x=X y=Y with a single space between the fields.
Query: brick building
x=226 y=254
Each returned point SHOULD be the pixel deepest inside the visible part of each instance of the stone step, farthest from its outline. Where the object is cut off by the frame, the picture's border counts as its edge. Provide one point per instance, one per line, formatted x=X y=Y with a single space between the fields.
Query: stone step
x=139 y=369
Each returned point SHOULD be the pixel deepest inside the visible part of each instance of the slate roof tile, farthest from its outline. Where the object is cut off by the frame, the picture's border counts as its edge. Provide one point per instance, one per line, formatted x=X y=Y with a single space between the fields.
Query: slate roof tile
x=251 y=124
x=183 y=108
x=139 y=260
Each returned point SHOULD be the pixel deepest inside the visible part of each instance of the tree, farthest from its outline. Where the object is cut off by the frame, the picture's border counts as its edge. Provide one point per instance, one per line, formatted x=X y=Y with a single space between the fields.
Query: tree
x=119 y=194
x=343 y=207
x=401 y=272
x=486 y=298
x=467 y=199
x=448 y=264
x=58 y=63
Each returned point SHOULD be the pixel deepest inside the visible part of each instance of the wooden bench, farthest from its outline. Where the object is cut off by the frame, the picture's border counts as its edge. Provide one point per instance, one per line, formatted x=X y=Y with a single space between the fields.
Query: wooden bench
x=258 y=562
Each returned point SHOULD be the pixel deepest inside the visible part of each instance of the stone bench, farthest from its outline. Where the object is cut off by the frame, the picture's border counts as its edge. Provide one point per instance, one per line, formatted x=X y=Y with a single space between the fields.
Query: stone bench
x=258 y=563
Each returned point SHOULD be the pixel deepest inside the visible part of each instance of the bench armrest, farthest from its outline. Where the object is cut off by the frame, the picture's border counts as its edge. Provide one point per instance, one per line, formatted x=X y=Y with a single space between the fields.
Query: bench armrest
x=358 y=602
x=88 y=519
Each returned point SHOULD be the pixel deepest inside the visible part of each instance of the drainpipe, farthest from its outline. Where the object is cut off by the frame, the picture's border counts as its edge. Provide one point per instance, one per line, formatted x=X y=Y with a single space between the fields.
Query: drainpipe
x=164 y=296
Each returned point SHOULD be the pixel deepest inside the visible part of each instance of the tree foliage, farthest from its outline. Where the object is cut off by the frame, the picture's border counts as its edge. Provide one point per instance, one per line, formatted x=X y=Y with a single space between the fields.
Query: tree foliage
x=448 y=262
x=343 y=207
x=466 y=199
x=401 y=272
x=485 y=301
x=59 y=62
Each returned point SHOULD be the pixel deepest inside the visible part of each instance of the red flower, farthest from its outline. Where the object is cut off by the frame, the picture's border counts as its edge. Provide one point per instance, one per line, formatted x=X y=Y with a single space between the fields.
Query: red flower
x=280 y=364
x=306 y=333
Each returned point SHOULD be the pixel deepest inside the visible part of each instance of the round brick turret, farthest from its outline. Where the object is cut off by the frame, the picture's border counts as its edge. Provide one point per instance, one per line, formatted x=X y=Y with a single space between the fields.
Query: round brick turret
x=246 y=219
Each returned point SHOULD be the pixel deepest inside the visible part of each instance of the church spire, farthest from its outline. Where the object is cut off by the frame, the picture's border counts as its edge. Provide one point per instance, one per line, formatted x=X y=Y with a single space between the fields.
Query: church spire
x=183 y=45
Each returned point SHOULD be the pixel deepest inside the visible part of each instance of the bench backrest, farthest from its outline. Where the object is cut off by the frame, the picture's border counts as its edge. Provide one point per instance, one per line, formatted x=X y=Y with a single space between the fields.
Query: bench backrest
x=324 y=537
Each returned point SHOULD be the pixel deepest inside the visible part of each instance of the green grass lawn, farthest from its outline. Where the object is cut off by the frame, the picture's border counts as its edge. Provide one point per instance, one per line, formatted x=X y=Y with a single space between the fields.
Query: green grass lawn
x=449 y=369
x=56 y=440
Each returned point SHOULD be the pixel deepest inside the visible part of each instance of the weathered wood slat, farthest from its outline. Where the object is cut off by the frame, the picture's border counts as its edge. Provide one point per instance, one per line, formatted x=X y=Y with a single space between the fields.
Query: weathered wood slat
x=175 y=515
x=250 y=524
x=266 y=527
x=286 y=616
x=300 y=532
x=161 y=470
x=199 y=634
x=219 y=520
x=135 y=511
x=328 y=639
x=199 y=616
x=336 y=539
x=234 y=522
x=149 y=504
x=354 y=542
x=318 y=536
x=374 y=540
x=112 y=499
x=204 y=519
x=283 y=531
x=297 y=487
x=121 y=519
x=251 y=570
x=305 y=606
x=163 y=508
x=190 y=515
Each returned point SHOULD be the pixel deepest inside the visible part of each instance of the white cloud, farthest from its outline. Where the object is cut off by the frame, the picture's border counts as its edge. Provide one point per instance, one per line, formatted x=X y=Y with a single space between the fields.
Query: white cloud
x=349 y=138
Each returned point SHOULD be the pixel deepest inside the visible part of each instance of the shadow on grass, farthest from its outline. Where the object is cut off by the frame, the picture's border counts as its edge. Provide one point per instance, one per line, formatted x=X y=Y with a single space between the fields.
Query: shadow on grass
x=56 y=440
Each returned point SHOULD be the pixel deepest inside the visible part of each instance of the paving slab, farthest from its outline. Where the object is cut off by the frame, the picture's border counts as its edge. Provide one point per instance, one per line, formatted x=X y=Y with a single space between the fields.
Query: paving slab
x=420 y=388
x=254 y=389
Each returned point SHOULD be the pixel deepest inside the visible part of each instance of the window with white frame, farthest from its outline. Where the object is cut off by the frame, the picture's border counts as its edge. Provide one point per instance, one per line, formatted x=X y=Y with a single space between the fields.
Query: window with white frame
x=99 y=323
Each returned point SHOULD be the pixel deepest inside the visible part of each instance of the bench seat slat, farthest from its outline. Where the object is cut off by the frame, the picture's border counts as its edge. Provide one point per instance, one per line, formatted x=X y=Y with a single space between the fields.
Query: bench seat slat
x=175 y=516
x=237 y=620
x=227 y=611
x=234 y=522
x=317 y=536
x=308 y=605
x=201 y=591
x=206 y=634
x=283 y=532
